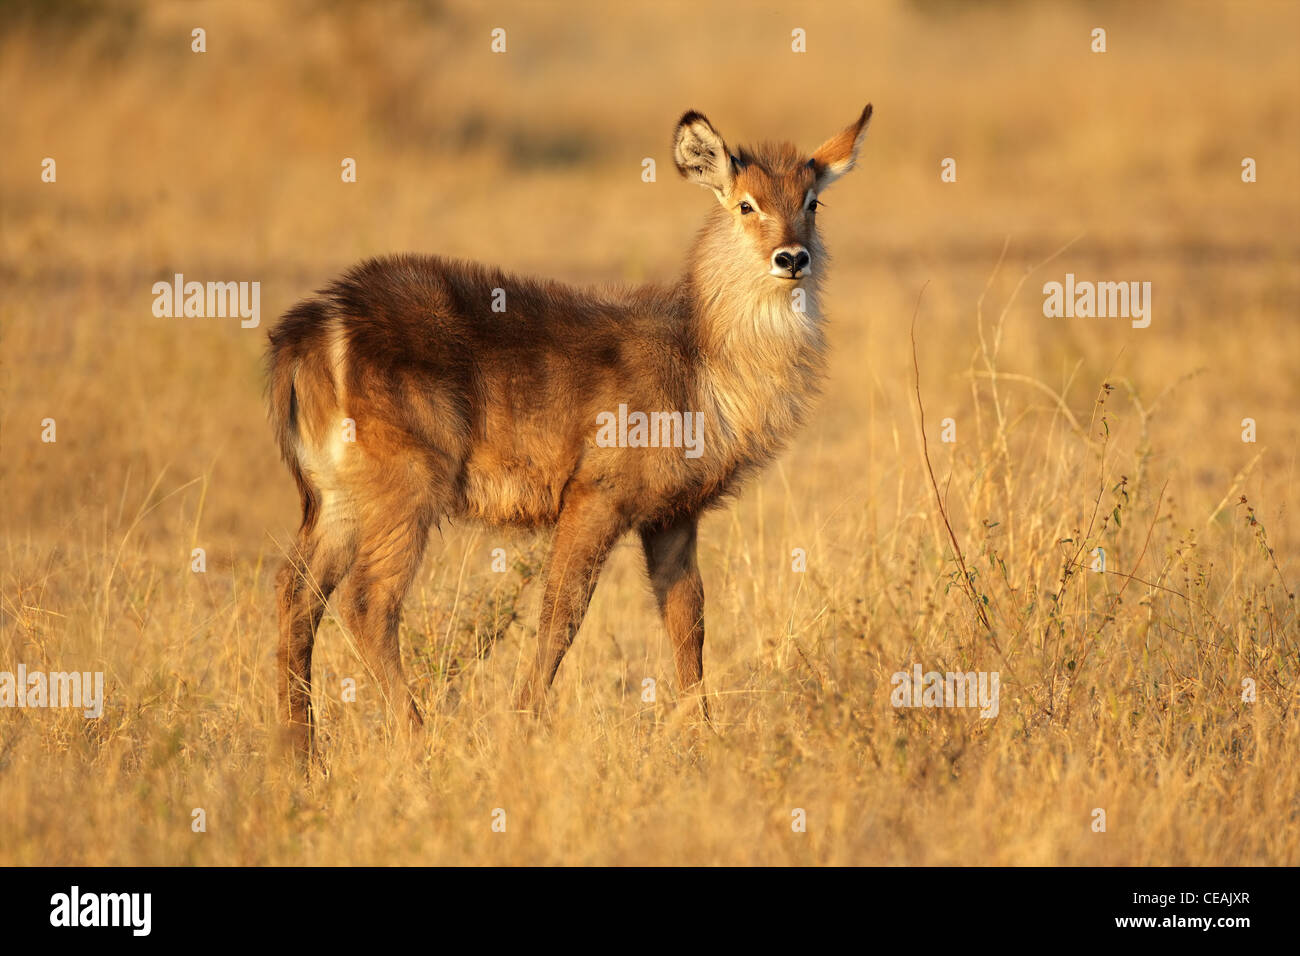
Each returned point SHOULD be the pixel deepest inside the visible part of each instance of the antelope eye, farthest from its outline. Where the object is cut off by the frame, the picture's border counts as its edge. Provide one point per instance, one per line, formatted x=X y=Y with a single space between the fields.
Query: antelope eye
x=812 y=206
x=746 y=209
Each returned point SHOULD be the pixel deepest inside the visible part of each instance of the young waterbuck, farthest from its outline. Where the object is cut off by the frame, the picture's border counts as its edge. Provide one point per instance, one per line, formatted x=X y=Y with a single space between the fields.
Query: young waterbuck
x=417 y=388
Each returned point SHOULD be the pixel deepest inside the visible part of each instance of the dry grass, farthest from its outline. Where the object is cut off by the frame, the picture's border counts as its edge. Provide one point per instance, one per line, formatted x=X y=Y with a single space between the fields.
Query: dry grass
x=1118 y=692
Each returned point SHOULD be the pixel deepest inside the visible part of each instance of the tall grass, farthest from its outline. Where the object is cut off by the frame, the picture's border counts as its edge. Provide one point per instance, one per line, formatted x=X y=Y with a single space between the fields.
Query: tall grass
x=1121 y=689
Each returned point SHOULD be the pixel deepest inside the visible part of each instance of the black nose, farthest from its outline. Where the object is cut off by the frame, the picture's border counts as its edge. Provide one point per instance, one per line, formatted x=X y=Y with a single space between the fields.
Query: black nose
x=791 y=259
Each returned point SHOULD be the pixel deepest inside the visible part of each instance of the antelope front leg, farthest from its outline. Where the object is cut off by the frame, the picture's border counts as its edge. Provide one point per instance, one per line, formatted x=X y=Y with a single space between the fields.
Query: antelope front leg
x=679 y=590
x=587 y=528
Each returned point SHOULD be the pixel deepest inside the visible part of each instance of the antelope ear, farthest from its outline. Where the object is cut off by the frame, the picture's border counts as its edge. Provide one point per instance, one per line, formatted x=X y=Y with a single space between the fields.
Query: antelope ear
x=836 y=156
x=701 y=155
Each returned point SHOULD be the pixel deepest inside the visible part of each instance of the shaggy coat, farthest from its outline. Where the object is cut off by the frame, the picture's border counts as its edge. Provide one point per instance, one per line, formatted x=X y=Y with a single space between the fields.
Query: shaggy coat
x=418 y=388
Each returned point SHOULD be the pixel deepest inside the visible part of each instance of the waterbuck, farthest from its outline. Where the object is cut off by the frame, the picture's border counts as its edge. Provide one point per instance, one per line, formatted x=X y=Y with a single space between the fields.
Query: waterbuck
x=418 y=388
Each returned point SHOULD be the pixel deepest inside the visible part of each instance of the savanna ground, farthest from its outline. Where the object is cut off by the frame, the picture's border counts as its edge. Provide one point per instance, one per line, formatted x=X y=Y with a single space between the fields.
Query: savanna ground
x=1120 y=690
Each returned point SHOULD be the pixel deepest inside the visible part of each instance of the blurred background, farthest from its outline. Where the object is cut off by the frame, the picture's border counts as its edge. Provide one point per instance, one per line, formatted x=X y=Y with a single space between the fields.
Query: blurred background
x=225 y=165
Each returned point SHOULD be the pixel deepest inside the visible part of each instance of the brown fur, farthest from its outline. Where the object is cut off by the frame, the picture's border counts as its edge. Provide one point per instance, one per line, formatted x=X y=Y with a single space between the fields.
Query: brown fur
x=460 y=411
